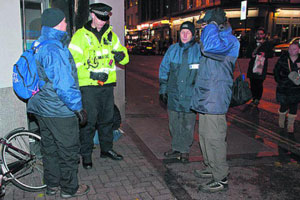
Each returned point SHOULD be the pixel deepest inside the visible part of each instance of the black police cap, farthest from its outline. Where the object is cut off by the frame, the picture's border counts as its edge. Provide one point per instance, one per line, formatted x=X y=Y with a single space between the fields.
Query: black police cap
x=101 y=10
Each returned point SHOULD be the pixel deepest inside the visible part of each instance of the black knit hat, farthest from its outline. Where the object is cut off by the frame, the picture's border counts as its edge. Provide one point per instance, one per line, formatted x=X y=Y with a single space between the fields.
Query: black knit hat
x=52 y=17
x=101 y=10
x=188 y=25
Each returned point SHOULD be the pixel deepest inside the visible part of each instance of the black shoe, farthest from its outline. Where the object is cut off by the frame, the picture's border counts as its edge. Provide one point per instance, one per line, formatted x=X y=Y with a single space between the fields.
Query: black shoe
x=172 y=154
x=87 y=163
x=51 y=191
x=255 y=102
x=82 y=190
x=214 y=186
x=111 y=154
x=184 y=157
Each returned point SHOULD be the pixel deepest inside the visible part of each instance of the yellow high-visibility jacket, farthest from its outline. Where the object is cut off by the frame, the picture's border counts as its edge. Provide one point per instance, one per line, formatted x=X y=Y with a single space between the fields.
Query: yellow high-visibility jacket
x=91 y=55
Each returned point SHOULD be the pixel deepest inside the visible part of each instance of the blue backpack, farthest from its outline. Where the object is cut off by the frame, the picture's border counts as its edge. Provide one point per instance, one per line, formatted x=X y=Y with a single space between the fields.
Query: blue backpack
x=25 y=76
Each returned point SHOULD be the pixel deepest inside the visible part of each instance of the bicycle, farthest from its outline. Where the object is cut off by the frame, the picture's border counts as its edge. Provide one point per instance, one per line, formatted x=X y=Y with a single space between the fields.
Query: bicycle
x=21 y=161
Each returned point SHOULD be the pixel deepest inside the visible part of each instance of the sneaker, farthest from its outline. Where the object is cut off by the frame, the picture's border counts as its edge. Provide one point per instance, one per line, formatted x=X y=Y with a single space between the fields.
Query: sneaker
x=184 y=157
x=172 y=154
x=203 y=173
x=255 y=102
x=214 y=186
x=82 y=190
x=51 y=191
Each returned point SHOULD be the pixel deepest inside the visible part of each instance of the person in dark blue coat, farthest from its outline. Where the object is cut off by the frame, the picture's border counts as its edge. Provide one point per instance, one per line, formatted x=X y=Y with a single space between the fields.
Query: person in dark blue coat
x=212 y=94
x=177 y=75
x=56 y=106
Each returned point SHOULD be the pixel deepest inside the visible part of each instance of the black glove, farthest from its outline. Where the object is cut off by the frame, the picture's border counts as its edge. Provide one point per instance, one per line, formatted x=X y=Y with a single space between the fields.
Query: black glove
x=82 y=116
x=163 y=98
x=101 y=76
x=119 y=55
x=219 y=16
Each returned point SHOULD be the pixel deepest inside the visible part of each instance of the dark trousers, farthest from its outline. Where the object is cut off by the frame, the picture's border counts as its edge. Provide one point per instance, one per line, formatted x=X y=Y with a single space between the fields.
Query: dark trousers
x=291 y=107
x=181 y=125
x=99 y=104
x=60 y=149
x=256 y=88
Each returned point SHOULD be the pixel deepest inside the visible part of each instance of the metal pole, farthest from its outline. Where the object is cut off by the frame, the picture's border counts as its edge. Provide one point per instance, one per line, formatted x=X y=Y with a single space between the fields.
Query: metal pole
x=24 y=26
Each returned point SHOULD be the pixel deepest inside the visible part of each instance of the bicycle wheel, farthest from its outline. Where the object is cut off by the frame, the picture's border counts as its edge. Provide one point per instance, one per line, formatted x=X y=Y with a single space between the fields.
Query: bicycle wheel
x=23 y=161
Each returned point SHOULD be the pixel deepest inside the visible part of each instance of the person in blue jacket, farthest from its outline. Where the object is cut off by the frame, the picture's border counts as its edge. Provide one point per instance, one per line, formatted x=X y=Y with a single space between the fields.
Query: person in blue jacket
x=56 y=105
x=212 y=94
x=177 y=75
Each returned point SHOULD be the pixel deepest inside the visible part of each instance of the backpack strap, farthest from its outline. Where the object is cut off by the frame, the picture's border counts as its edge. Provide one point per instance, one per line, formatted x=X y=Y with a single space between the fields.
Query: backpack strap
x=35 y=48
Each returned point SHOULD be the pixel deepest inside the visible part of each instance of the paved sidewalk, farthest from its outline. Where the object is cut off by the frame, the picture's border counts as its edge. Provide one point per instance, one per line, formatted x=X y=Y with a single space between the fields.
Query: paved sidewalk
x=134 y=178
x=259 y=169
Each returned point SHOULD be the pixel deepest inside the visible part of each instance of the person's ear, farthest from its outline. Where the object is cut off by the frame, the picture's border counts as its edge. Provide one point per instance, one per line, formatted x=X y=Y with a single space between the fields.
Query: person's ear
x=92 y=15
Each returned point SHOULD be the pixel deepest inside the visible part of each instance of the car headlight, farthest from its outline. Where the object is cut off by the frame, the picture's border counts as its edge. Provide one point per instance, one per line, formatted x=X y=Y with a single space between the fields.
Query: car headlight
x=277 y=50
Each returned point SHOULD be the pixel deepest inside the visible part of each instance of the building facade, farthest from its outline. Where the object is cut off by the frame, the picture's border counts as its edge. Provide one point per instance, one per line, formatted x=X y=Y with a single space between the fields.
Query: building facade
x=158 y=19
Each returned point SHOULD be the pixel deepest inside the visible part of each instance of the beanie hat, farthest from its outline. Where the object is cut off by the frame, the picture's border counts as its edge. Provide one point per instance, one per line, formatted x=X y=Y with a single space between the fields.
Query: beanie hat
x=188 y=25
x=52 y=17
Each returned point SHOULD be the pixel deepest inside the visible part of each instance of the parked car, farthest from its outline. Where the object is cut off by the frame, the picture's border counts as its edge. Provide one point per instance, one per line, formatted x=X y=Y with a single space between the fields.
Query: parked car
x=144 y=48
x=280 y=48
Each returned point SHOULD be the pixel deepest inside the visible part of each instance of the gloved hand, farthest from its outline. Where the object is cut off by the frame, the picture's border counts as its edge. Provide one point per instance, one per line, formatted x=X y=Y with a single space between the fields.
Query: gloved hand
x=100 y=76
x=119 y=55
x=219 y=16
x=82 y=116
x=163 y=98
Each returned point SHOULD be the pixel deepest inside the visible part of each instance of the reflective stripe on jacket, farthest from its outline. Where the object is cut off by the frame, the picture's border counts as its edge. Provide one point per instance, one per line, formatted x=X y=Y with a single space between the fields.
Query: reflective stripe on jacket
x=91 y=55
x=177 y=74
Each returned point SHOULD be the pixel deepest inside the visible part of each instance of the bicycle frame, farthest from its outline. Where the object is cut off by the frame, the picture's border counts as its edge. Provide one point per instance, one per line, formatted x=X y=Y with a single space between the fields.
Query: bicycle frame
x=14 y=167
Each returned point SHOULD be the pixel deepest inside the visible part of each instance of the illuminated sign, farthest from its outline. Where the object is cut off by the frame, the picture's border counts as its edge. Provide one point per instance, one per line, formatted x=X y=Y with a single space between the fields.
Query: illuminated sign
x=145 y=26
x=243 y=10
x=164 y=21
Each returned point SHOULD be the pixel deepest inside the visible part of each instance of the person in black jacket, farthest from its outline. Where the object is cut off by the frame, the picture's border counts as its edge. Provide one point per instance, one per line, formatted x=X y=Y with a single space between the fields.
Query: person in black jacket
x=262 y=48
x=287 y=92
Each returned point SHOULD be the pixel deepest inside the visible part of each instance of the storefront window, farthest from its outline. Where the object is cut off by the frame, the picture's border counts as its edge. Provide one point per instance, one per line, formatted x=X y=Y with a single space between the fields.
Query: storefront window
x=31 y=17
x=31 y=20
x=283 y=31
x=296 y=30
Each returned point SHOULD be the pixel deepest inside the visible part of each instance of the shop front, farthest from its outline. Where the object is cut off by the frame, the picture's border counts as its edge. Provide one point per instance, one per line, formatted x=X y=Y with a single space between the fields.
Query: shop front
x=287 y=23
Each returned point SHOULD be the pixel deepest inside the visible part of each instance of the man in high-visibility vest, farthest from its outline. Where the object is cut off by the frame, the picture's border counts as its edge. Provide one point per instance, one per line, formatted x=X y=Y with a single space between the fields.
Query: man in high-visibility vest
x=96 y=49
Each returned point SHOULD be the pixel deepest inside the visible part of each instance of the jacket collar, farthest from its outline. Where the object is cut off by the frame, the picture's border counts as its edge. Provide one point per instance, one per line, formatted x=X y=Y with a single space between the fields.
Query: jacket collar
x=48 y=33
x=89 y=27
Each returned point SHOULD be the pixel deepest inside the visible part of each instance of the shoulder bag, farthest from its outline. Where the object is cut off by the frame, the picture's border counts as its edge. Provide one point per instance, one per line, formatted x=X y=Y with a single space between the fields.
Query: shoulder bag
x=293 y=75
x=241 y=92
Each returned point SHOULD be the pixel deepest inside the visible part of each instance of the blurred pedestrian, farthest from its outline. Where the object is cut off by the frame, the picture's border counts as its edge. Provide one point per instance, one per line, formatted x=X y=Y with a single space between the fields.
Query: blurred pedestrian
x=288 y=92
x=177 y=75
x=212 y=94
x=161 y=46
x=96 y=50
x=258 y=51
x=56 y=105
x=157 y=46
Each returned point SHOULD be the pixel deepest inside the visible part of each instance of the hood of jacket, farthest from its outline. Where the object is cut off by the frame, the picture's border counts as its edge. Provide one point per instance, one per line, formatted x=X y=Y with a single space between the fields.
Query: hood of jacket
x=48 y=33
